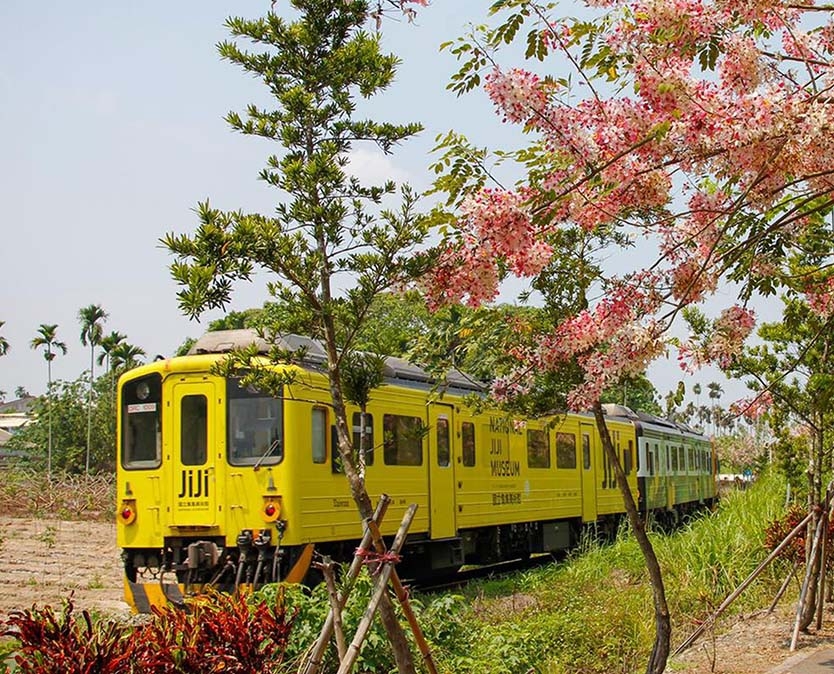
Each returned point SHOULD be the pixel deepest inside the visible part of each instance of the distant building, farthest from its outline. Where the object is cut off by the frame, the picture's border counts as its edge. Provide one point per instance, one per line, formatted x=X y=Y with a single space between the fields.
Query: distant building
x=14 y=415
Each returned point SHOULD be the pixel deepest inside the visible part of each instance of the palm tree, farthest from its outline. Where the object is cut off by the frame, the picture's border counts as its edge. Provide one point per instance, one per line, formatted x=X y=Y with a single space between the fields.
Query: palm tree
x=107 y=345
x=125 y=355
x=91 y=318
x=4 y=344
x=46 y=339
x=715 y=392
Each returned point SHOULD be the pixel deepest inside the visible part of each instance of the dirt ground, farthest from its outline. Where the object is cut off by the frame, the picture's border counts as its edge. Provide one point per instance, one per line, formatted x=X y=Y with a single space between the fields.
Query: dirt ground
x=42 y=562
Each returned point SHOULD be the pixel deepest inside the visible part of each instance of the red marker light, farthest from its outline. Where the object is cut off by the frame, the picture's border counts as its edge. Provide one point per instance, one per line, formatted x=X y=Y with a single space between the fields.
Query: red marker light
x=127 y=513
x=269 y=510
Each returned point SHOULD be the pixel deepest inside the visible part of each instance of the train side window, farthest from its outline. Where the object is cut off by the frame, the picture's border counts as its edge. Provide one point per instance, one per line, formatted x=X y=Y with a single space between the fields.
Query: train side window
x=538 y=448
x=650 y=460
x=628 y=458
x=193 y=430
x=402 y=440
x=336 y=454
x=467 y=433
x=565 y=450
x=586 y=451
x=443 y=445
x=674 y=452
x=319 y=434
x=369 y=436
x=142 y=423
x=255 y=426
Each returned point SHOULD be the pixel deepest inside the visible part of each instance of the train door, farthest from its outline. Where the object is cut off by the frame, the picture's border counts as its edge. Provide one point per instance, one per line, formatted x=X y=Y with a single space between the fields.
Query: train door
x=441 y=471
x=589 y=479
x=192 y=454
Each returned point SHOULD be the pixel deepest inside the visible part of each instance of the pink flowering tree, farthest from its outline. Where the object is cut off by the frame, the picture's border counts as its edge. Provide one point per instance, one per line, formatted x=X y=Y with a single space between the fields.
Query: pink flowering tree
x=701 y=130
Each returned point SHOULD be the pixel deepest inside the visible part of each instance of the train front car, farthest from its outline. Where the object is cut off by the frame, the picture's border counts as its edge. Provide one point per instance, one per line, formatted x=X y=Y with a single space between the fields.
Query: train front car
x=199 y=495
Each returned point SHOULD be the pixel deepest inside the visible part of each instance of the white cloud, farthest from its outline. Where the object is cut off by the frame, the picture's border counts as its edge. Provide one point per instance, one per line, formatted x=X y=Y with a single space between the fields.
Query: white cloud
x=372 y=167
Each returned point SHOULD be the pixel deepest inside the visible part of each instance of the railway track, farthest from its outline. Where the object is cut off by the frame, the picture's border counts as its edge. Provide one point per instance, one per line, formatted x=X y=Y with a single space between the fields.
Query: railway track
x=451 y=581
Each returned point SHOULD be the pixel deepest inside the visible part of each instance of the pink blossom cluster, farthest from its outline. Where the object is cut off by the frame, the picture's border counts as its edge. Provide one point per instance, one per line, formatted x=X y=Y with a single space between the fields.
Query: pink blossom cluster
x=509 y=387
x=752 y=408
x=497 y=229
x=724 y=341
x=517 y=93
x=628 y=353
x=615 y=338
x=465 y=273
x=820 y=298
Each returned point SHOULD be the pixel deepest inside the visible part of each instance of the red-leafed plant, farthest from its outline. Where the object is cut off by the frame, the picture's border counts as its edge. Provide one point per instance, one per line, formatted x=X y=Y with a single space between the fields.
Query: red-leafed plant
x=217 y=634
x=779 y=529
x=61 y=643
x=220 y=633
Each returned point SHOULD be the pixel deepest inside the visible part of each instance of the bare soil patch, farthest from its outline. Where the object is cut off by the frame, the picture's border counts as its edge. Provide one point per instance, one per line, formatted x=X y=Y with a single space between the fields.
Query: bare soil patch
x=752 y=644
x=44 y=562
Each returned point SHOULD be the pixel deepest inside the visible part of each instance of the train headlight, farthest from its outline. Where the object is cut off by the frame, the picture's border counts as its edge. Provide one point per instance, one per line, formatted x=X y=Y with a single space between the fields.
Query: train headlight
x=127 y=512
x=271 y=510
x=143 y=390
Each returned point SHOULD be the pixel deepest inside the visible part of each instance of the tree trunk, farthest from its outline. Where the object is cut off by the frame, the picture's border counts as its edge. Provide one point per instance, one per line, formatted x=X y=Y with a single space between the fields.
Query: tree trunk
x=663 y=624
x=396 y=635
x=808 y=608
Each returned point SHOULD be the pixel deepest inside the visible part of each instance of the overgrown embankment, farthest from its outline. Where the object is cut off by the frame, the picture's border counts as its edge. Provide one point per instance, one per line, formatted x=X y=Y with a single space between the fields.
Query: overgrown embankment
x=594 y=612
x=590 y=614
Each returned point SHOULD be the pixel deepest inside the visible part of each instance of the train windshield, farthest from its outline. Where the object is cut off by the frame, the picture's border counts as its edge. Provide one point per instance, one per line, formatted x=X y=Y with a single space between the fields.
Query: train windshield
x=255 y=426
x=141 y=423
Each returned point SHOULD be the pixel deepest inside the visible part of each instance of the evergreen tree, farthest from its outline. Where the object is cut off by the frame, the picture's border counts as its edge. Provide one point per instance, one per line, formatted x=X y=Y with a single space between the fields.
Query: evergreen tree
x=48 y=341
x=91 y=318
x=331 y=248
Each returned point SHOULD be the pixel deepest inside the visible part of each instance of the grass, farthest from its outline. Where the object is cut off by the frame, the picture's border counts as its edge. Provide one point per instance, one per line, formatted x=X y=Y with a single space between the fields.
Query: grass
x=594 y=612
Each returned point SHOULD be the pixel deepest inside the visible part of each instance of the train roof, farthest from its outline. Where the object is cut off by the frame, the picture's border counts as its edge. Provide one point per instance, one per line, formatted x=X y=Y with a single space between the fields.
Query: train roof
x=649 y=420
x=396 y=370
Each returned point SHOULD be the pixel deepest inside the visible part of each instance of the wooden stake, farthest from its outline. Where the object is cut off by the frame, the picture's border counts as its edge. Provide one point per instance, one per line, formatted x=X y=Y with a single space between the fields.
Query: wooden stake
x=813 y=560
x=783 y=588
x=380 y=588
x=402 y=597
x=734 y=595
x=824 y=558
x=335 y=606
x=806 y=584
x=316 y=654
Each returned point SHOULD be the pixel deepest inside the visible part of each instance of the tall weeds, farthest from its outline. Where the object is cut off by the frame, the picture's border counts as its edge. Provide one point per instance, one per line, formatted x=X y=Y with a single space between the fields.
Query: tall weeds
x=593 y=613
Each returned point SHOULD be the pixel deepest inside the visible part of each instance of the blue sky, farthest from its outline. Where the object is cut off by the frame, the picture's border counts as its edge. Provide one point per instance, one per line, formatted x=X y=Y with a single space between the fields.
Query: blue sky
x=111 y=129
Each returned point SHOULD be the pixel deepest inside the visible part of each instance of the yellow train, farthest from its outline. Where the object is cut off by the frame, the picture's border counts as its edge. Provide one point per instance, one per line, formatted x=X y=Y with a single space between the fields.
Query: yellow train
x=223 y=485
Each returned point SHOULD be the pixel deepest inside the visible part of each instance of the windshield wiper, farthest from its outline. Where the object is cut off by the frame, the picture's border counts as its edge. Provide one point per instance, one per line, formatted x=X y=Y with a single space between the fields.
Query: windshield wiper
x=275 y=444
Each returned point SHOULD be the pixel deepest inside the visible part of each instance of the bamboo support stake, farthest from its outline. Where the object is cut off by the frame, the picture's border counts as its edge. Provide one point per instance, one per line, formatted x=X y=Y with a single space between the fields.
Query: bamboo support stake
x=824 y=559
x=734 y=595
x=380 y=588
x=408 y=610
x=315 y=658
x=813 y=560
x=806 y=584
x=783 y=588
x=335 y=606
